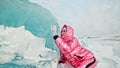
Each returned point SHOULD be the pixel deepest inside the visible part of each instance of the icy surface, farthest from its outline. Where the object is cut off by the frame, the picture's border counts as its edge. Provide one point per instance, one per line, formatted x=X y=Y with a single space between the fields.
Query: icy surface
x=33 y=17
x=21 y=47
x=106 y=50
x=26 y=35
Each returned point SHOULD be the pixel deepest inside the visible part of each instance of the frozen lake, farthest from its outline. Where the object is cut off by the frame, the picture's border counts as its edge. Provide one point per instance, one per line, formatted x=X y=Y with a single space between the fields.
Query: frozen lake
x=21 y=49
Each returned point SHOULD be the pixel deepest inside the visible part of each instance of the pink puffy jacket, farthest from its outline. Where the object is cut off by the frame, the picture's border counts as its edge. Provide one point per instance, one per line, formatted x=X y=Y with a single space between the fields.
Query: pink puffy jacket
x=73 y=52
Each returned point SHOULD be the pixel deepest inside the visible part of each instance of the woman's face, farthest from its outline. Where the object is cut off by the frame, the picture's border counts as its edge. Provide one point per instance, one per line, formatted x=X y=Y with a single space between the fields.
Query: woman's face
x=63 y=32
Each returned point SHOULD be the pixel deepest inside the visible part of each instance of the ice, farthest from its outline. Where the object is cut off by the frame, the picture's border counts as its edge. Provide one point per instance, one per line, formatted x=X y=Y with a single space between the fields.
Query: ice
x=20 y=46
x=25 y=35
x=106 y=50
x=33 y=17
x=34 y=48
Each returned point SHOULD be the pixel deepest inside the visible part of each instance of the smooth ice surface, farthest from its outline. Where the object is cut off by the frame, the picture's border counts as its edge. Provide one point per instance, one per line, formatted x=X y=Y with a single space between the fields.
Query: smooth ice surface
x=102 y=15
x=20 y=46
x=33 y=17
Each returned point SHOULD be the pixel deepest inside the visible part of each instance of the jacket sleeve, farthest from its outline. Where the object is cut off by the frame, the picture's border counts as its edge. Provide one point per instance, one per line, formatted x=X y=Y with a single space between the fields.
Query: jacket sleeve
x=63 y=46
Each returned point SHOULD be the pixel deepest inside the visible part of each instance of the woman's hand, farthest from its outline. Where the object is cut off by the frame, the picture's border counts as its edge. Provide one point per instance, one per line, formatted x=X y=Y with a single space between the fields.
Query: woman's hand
x=54 y=30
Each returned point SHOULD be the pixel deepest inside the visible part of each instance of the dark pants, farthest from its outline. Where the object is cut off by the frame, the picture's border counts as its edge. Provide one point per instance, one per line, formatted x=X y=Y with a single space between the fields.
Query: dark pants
x=91 y=63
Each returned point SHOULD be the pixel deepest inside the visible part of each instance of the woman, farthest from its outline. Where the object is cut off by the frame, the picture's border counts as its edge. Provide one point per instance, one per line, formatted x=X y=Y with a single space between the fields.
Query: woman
x=71 y=51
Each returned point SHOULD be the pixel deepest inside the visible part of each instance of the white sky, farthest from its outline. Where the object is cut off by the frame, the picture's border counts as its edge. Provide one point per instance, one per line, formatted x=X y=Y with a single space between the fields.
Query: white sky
x=87 y=17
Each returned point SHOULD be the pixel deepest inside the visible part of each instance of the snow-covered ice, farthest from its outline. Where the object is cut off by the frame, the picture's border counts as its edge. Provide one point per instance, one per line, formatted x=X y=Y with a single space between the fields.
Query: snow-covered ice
x=106 y=50
x=20 y=46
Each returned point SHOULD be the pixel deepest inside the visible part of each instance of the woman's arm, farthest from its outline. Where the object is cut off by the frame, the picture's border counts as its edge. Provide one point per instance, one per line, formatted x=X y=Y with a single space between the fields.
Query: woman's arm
x=61 y=44
x=65 y=46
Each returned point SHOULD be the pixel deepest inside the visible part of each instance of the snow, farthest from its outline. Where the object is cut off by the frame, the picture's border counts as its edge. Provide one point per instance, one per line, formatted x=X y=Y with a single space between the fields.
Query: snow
x=106 y=51
x=20 y=46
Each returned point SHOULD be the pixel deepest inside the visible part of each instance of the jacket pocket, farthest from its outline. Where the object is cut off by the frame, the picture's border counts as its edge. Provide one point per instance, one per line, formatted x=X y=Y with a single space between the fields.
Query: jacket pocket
x=80 y=57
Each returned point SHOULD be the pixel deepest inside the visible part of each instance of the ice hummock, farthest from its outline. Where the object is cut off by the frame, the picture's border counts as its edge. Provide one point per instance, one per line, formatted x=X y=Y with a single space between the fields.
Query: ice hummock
x=21 y=47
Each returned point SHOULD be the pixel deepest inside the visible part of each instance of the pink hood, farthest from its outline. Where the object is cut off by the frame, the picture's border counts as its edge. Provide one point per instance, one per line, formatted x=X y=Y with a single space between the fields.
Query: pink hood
x=70 y=33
